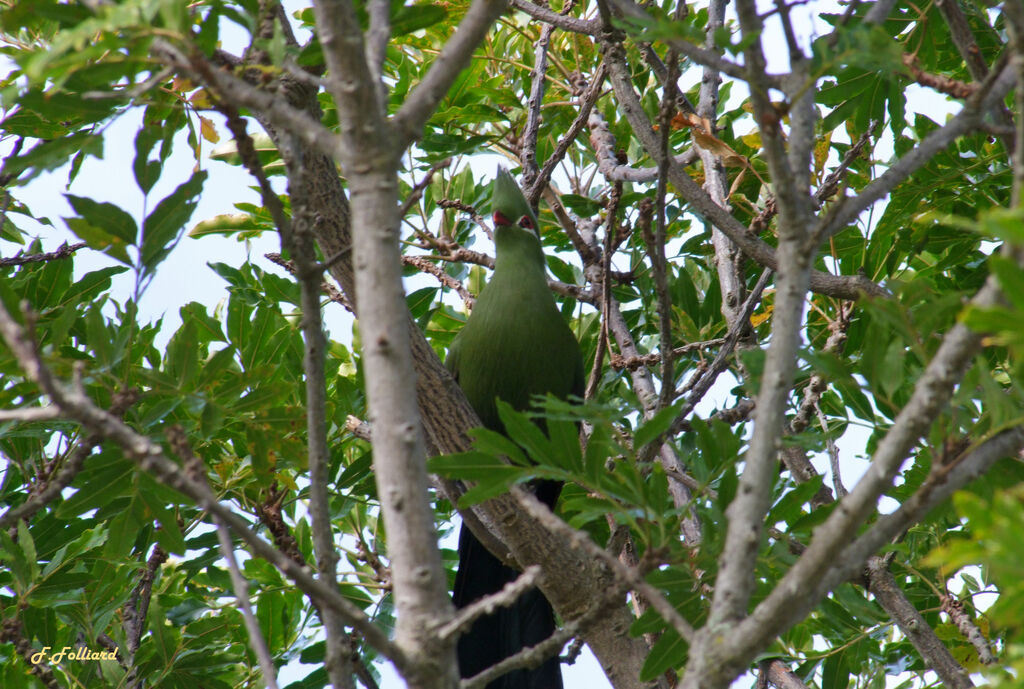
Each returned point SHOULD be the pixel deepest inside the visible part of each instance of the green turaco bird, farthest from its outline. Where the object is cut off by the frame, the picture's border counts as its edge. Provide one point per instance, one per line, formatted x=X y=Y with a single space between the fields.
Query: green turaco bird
x=515 y=345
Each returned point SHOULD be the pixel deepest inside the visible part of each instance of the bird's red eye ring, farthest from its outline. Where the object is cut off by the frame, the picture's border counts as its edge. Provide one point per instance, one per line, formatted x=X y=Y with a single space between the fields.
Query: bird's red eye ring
x=526 y=222
x=500 y=219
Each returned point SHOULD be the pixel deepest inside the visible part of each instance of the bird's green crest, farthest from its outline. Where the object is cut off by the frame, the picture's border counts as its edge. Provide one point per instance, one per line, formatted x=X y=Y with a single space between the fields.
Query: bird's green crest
x=509 y=206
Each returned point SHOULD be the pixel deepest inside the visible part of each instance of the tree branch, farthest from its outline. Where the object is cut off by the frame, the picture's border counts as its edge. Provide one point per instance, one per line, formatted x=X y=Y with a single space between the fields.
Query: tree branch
x=241 y=587
x=507 y=596
x=913 y=625
x=63 y=251
x=630 y=10
x=630 y=576
x=583 y=26
x=586 y=104
x=538 y=80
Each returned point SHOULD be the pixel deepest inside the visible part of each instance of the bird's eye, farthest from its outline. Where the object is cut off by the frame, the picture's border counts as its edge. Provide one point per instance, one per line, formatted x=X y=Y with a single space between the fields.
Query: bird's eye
x=526 y=222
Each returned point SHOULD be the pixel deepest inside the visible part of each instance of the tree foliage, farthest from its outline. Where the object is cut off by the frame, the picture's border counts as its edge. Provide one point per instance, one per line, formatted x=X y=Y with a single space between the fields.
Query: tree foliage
x=783 y=273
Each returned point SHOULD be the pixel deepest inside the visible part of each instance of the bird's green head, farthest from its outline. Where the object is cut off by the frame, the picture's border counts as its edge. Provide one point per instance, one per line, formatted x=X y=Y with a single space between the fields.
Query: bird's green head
x=509 y=206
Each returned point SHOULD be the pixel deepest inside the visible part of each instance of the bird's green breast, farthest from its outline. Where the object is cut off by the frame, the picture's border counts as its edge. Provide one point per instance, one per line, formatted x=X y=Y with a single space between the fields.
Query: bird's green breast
x=516 y=344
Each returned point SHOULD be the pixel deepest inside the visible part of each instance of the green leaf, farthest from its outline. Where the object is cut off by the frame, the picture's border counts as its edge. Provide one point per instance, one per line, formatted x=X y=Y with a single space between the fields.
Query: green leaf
x=90 y=286
x=1003 y=223
x=268 y=154
x=1011 y=278
x=891 y=371
x=835 y=673
x=485 y=490
x=106 y=217
x=50 y=155
x=492 y=476
x=415 y=17
x=565 y=443
x=669 y=651
x=581 y=205
x=147 y=171
x=655 y=426
x=229 y=224
x=164 y=225
x=28 y=548
x=497 y=445
x=526 y=433
x=102 y=484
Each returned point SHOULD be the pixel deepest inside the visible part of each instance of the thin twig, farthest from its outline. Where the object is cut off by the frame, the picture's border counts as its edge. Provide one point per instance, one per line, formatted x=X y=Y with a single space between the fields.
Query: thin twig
x=423 y=265
x=42 y=495
x=416 y=193
x=241 y=587
x=586 y=104
x=28 y=415
x=63 y=251
x=718 y=365
x=538 y=81
x=633 y=578
x=506 y=597
x=843 y=286
x=632 y=363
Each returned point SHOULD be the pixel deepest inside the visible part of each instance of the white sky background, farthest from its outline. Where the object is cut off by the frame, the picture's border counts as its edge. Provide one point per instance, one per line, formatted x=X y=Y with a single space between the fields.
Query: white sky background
x=185 y=276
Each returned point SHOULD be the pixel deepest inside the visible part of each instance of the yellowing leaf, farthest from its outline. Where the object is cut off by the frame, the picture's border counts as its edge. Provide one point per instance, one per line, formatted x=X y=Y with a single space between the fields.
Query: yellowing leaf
x=200 y=100
x=287 y=480
x=689 y=119
x=821 y=150
x=759 y=318
x=182 y=84
x=713 y=144
x=208 y=130
x=753 y=139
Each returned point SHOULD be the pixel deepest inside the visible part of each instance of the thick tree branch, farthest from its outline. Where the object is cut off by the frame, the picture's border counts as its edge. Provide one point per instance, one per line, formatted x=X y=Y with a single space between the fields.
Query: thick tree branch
x=962 y=619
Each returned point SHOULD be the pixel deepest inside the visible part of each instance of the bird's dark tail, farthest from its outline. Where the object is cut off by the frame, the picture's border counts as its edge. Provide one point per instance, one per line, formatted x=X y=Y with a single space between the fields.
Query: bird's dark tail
x=492 y=638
